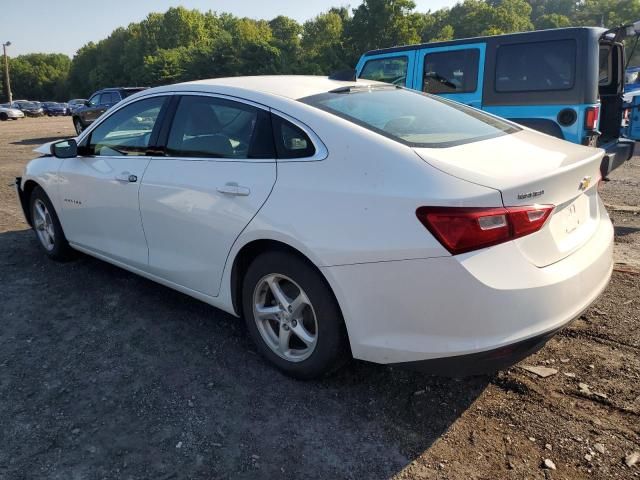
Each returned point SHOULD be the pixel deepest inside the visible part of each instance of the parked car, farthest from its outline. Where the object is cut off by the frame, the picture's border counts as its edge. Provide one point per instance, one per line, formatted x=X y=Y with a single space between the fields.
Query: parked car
x=75 y=104
x=30 y=109
x=99 y=103
x=565 y=82
x=52 y=109
x=8 y=113
x=339 y=218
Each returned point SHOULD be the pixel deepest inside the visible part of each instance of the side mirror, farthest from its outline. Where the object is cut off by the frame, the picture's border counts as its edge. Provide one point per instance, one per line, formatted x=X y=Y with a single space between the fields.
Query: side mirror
x=65 y=149
x=87 y=103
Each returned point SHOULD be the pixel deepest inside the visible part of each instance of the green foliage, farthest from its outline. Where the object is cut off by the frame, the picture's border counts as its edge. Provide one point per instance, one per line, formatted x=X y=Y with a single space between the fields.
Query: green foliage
x=182 y=44
x=39 y=75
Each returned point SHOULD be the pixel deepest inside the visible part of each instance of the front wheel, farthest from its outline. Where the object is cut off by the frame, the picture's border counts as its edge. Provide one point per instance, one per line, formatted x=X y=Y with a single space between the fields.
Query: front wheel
x=293 y=317
x=77 y=123
x=3 y=116
x=47 y=227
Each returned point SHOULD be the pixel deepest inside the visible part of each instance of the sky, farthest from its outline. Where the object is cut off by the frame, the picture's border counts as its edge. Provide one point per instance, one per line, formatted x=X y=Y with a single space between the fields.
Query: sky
x=63 y=26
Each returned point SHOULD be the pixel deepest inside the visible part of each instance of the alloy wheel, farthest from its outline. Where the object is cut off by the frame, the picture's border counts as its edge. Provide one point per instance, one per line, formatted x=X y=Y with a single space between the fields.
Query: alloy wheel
x=285 y=317
x=43 y=225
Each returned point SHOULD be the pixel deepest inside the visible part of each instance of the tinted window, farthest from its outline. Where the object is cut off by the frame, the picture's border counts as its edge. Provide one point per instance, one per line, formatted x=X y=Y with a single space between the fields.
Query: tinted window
x=389 y=70
x=412 y=118
x=529 y=67
x=604 y=65
x=95 y=100
x=291 y=141
x=451 y=72
x=210 y=127
x=126 y=132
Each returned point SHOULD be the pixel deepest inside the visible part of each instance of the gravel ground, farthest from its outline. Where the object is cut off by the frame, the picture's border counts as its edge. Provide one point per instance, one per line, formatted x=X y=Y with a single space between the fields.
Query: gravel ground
x=106 y=375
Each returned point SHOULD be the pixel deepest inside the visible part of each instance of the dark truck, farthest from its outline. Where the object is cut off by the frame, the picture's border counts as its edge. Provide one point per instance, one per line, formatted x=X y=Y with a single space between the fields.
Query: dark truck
x=100 y=102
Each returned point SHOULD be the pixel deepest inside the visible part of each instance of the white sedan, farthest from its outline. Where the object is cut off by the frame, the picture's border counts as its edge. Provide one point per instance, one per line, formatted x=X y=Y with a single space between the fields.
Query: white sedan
x=340 y=219
x=8 y=113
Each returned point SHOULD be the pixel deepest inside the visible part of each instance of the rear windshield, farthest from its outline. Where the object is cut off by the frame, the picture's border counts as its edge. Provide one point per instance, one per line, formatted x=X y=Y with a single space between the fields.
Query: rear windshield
x=413 y=118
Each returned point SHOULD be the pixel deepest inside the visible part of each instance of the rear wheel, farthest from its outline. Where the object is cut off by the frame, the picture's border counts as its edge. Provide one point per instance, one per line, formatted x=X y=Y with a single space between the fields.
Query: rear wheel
x=47 y=227
x=77 y=123
x=293 y=316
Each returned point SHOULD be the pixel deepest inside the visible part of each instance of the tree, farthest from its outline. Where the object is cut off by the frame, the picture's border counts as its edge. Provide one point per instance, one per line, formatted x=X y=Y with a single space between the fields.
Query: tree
x=383 y=23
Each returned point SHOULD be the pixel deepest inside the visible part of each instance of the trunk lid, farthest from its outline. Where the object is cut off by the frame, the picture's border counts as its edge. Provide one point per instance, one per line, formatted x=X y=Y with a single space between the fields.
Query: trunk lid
x=530 y=168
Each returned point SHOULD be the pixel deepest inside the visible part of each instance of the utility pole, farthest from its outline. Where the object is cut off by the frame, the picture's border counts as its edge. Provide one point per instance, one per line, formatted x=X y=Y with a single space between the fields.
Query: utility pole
x=7 y=81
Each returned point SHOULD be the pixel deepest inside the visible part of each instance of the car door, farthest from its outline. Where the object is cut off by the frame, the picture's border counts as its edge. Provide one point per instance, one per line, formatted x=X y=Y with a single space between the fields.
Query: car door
x=99 y=189
x=454 y=72
x=218 y=170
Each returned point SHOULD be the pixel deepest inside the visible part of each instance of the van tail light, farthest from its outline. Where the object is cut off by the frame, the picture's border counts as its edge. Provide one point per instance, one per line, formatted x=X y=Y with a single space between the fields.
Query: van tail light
x=461 y=230
x=591 y=118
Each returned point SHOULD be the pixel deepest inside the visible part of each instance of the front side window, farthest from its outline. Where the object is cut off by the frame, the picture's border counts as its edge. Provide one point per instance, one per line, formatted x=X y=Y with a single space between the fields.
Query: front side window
x=389 y=70
x=208 y=127
x=95 y=100
x=455 y=71
x=127 y=131
x=535 y=67
x=412 y=118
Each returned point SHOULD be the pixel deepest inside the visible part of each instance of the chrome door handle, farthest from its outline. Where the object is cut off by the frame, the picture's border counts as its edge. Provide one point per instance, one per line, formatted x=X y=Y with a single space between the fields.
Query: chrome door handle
x=232 y=188
x=127 y=177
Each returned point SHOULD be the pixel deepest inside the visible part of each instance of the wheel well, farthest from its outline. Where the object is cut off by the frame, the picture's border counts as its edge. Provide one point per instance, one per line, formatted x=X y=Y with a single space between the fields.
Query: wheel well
x=26 y=197
x=247 y=254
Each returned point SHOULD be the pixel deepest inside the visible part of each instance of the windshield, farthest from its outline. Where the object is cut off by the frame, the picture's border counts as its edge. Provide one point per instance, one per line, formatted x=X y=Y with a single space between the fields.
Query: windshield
x=412 y=118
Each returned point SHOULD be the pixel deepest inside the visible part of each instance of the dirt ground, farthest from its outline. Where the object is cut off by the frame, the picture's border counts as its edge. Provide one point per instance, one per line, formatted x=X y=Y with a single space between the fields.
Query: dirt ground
x=106 y=375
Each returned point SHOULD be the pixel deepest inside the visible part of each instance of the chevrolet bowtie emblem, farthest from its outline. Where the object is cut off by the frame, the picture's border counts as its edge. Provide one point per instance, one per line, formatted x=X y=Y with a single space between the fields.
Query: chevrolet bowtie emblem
x=584 y=183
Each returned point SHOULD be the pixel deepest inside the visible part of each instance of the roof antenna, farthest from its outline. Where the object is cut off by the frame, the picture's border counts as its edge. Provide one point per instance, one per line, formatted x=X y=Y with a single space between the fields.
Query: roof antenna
x=348 y=75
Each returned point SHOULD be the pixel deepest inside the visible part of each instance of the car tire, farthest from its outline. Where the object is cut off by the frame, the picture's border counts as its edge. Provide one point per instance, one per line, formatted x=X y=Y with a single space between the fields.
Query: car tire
x=4 y=117
x=307 y=337
x=77 y=124
x=47 y=228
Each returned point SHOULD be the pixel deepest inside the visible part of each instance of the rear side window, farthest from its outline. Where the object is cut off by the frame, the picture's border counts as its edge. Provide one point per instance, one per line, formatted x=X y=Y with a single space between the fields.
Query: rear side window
x=535 y=67
x=291 y=141
x=455 y=71
x=209 y=127
x=389 y=70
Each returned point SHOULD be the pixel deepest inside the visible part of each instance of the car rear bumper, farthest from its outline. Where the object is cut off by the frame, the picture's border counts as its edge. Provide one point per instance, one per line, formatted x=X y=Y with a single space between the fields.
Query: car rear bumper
x=616 y=153
x=492 y=304
x=481 y=363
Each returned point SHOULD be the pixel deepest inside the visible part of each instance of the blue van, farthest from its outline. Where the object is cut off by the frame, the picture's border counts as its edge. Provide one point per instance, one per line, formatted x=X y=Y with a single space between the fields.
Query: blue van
x=565 y=82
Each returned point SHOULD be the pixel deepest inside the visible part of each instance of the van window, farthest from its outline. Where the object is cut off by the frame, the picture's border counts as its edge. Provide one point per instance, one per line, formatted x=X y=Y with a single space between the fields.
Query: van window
x=455 y=71
x=532 y=67
x=389 y=70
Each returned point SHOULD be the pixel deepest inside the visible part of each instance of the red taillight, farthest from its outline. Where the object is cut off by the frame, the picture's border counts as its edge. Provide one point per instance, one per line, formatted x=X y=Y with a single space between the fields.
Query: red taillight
x=591 y=118
x=465 y=229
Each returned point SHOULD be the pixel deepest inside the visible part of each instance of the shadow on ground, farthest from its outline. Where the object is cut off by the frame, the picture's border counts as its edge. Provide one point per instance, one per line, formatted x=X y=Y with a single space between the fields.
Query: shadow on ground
x=104 y=374
x=40 y=141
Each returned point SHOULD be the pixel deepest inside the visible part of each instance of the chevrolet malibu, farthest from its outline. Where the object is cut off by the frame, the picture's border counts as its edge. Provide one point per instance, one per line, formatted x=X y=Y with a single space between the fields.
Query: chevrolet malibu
x=340 y=219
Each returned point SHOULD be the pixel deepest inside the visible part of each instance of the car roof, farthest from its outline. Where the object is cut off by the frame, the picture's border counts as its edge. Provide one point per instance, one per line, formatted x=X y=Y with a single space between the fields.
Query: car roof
x=502 y=37
x=288 y=86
